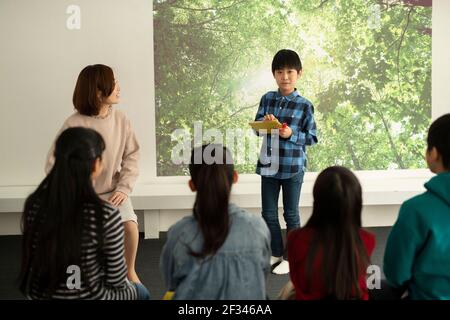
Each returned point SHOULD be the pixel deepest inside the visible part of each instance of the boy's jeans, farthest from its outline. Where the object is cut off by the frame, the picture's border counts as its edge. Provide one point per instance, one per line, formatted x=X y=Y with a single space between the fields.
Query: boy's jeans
x=270 y=191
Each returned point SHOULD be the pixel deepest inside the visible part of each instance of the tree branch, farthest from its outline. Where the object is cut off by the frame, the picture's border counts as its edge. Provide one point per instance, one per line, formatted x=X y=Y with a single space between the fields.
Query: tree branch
x=419 y=154
x=418 y=3
x=237 y=112
x=400 y=46
x=197 y=24
x=355 y=159
x=407 y=3
x=208 y=9
x=391 y=140
x=219 y=70
x=321 y=4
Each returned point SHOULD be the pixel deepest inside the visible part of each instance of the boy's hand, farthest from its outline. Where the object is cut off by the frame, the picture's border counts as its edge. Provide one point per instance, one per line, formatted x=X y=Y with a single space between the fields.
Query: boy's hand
x=269 y=117
x=285 y=131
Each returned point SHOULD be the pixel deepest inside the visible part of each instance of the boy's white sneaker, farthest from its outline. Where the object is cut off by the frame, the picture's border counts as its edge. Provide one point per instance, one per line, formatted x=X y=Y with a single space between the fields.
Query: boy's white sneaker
x=282 y=268
x=275 y=260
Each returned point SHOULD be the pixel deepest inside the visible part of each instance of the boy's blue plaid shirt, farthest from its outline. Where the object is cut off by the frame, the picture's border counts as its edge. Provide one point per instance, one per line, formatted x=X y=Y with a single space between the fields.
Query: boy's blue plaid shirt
x=298 y=113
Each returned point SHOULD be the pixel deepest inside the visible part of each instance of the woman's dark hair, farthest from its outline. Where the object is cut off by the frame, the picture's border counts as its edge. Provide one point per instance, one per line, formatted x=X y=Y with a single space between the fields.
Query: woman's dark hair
x=52 y=220
x=336 y=219
x=286 y=59
x=439 y=138
x=211 y=170
x=92 y=80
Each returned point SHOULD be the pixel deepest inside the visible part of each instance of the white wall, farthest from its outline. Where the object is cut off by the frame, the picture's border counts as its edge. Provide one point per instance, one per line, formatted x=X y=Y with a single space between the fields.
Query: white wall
x=441 y=58
x=39 y=63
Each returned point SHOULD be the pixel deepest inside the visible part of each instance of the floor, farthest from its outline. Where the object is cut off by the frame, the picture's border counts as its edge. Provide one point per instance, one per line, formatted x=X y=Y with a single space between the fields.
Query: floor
x=147 y=265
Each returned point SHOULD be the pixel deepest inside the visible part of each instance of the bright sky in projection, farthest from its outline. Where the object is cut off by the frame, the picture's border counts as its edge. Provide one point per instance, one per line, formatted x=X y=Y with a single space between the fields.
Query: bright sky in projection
x=367 y=70
x=250 y=88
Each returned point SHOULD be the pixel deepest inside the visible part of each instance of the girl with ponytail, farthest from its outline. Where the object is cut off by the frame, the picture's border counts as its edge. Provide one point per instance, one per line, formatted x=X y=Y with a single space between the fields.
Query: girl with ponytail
x=72 y=240
x=221 y=251
x=328 y=257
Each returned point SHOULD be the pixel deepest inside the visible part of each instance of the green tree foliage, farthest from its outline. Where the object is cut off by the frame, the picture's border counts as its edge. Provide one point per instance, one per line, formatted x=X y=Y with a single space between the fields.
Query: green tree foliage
x=367 y=70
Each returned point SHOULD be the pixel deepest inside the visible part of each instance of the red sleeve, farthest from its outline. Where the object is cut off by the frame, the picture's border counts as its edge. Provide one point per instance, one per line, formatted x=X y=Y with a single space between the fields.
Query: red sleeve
x=296 y=242
x=298 y=245
x=291 y=246
x=369 y=241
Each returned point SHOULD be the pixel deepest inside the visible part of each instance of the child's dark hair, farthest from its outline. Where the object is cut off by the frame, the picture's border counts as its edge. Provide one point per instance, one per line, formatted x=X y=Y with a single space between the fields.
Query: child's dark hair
x=286 y=58
x=211 y=170
x=92 y=80
x=52 y=221
x=439 y=138
x=336 y=219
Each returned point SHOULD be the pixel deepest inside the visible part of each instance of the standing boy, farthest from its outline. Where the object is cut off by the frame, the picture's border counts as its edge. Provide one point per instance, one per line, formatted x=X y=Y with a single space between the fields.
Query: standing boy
x=285 y=151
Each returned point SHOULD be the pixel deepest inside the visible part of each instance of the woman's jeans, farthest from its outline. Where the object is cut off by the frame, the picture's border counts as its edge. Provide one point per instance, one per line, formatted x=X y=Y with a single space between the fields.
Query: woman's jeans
x=270 y=191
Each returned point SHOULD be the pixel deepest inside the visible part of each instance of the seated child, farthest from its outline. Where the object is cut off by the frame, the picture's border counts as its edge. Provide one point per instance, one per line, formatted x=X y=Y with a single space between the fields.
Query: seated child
x=221 y=251
x=417 y=255
x=328 y=258
x=73 y=244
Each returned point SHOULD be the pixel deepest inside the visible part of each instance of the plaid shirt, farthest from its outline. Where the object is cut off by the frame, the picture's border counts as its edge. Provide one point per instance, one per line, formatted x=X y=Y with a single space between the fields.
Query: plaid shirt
x=298 y=113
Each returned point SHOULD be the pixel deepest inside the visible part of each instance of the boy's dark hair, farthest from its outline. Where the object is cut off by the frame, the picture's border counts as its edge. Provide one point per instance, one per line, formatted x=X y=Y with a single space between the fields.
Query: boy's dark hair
x=286 y=58
x=439 y=138
x=91 y=80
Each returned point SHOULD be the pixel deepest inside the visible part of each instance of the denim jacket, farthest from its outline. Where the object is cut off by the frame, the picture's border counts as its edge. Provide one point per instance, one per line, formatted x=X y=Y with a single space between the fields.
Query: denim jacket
x=237 y=271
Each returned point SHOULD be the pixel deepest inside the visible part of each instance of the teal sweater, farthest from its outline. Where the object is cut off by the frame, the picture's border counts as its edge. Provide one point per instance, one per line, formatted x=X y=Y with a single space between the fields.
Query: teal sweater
x=417 y=253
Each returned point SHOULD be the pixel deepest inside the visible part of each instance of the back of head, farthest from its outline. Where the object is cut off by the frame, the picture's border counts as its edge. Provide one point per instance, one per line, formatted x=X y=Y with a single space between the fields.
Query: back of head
x=286 y=58
x=336 y=219
x=337 y=199
x=439 y=138
x=211 y=170
x=52 y=218
x=94 y=83
x=76 y=150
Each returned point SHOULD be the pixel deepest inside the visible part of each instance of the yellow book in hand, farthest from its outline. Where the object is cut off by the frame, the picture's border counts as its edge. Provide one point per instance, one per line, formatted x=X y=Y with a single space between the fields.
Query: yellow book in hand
x=267 y=125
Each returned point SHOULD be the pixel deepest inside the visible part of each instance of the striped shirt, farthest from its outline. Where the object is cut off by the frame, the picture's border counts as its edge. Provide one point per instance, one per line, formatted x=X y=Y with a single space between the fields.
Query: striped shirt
x=285 y=159
x=103 y=268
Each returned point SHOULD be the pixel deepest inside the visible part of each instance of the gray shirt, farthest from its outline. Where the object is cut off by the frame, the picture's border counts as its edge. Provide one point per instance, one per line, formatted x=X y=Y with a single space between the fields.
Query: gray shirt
x=237 y=271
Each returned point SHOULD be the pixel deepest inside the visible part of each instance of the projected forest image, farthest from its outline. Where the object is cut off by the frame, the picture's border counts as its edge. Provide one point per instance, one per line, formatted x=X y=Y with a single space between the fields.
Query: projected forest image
x=366 y=69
